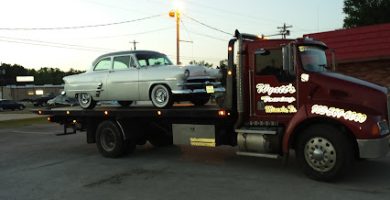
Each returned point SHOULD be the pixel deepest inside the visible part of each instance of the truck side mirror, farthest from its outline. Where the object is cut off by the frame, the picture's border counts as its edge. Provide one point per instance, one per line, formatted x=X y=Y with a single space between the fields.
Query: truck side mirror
x=288 y=64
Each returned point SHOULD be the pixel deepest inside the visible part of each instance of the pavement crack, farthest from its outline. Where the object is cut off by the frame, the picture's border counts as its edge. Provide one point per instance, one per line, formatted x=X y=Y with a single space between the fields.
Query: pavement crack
x=118 y=178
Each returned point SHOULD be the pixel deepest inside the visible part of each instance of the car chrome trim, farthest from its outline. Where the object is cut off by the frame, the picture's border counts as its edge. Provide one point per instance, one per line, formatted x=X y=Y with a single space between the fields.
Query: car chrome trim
x=196 y=91
x=374 y=148
x=95 y=90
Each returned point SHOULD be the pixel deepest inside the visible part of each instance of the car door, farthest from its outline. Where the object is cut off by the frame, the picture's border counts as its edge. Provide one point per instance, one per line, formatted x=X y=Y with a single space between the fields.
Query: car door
x=94 y=82
x=122 y=80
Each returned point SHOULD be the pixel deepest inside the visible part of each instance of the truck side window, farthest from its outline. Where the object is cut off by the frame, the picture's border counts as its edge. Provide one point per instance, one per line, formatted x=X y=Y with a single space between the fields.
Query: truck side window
x=270 y=63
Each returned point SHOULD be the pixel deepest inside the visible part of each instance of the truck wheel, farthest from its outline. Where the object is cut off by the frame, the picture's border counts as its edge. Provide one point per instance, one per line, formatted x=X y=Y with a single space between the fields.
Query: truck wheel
x=161 y=96
x=110 y=142
x=125 y=103
x=86 y=101
x=324 y=152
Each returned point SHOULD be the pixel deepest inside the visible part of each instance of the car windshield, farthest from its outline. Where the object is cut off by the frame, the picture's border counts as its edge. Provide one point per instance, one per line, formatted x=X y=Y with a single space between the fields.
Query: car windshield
x=152 y=59
x=313 y=58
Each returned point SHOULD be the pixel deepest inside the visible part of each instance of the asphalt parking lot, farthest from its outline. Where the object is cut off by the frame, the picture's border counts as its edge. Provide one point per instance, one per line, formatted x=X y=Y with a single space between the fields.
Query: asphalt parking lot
x=36 y=164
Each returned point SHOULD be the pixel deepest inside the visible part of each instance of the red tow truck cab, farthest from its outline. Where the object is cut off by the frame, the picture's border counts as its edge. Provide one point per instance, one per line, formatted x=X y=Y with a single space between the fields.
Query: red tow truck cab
x=287 y=97
x=280 y=95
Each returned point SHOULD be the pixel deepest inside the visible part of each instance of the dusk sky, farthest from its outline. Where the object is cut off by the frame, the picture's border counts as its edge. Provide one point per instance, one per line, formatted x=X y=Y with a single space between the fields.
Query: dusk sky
x=75 y=32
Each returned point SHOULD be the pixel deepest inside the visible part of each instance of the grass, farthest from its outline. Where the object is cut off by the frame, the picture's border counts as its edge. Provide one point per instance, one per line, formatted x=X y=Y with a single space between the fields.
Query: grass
x=22 y=122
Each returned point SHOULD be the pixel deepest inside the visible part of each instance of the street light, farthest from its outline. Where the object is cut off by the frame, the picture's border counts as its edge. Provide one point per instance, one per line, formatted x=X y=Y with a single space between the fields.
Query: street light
x=176 y=12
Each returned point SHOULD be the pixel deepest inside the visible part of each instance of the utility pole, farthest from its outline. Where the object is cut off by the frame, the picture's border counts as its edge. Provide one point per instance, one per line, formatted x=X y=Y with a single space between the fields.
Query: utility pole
x=176 y=13
x=284 y=30
x=134 y=44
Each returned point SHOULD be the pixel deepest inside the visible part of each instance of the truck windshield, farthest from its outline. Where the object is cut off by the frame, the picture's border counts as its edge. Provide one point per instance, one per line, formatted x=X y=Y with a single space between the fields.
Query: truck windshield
x=313 y=58
x=150 y=59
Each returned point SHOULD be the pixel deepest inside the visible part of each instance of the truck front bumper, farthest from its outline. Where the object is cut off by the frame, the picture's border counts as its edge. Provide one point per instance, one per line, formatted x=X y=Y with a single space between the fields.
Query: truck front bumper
x=374 y=148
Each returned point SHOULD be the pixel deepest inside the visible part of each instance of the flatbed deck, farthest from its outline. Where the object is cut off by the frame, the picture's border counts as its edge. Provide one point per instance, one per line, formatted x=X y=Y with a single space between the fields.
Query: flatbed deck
x=177 y=111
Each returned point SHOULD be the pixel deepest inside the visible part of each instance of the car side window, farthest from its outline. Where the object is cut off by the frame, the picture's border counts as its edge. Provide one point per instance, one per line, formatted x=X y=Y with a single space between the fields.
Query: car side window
x=132 y=62
x=104 y=64
x=121 y=62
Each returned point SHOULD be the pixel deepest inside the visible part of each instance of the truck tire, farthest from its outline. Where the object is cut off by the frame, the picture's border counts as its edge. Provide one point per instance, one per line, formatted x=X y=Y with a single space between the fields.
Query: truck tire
x=324 y=152
x=161 y=96
x=110 y=142
x=86 y=101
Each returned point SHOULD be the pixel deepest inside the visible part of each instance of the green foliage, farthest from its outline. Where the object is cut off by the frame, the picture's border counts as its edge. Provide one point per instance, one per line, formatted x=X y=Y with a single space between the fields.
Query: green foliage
x=202 y=62
x=366 y=12
x=42 y=76
x=223 y=63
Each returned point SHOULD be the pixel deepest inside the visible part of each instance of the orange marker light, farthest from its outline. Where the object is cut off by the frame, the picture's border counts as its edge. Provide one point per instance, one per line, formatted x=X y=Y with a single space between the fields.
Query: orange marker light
x=49 y=119
x=68 y=112
x=159 y=113
x=222 y=113
x=74 y=121
x=230 y=72
x=105 y=112
x=230 y=48
x=39 y=112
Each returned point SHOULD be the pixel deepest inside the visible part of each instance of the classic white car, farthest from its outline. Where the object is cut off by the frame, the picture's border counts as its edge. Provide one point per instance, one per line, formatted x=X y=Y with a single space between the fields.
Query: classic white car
x=129 y=76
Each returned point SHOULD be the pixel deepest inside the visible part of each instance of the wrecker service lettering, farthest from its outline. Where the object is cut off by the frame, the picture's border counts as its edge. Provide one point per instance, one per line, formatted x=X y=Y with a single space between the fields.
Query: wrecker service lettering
x=338 y=113
x=267 y=89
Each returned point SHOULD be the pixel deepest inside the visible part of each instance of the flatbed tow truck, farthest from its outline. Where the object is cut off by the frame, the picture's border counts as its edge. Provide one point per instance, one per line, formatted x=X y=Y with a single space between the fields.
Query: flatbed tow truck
x=280 y=96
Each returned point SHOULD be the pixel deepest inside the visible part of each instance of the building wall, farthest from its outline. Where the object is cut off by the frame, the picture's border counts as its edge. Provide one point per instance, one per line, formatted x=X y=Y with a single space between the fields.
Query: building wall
x=374 y=71
x=362 y=52
x=30 y=92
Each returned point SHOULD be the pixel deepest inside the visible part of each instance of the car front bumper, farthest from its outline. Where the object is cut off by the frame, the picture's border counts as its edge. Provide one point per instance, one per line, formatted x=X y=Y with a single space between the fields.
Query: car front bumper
x=197 y=91
x=374 y=148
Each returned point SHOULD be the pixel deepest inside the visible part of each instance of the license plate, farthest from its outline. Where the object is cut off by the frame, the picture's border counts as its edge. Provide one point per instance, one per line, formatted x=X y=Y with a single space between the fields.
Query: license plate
x=209 y=89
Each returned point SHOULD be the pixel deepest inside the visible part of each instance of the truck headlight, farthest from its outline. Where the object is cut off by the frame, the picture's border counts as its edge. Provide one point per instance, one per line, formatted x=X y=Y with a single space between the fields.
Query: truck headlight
x=383 y=127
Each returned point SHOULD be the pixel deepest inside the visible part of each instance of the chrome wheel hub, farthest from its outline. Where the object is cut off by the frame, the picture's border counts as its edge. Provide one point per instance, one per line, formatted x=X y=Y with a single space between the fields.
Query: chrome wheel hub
x=85 y=98
x=161 y=96
x=320 y=154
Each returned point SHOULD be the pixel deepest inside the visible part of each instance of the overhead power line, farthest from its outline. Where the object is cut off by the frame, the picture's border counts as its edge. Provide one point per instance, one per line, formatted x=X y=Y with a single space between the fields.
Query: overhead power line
x=52 y=44
x=208 y=26
x=76 y=27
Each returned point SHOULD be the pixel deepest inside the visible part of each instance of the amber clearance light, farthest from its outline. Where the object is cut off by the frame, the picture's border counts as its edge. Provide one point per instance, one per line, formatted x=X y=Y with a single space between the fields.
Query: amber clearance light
x=222 y=113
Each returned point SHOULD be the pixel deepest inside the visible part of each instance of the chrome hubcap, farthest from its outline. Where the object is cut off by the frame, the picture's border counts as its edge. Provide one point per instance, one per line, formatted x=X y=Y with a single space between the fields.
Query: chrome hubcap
x=320 y=154
x=85 y=98
x=161 y=96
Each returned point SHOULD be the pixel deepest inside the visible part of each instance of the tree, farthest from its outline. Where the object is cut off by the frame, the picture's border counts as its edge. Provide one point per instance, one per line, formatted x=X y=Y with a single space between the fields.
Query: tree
x=42 y=76
x=366 y=12
x=202 y=62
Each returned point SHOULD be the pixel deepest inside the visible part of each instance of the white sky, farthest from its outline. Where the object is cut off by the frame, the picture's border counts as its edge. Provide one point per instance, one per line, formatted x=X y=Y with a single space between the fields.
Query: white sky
x=77 y=48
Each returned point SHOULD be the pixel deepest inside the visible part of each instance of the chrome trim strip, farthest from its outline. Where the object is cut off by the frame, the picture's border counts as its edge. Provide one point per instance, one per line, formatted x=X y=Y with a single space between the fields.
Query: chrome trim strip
x=96 y=90
x=196 y=91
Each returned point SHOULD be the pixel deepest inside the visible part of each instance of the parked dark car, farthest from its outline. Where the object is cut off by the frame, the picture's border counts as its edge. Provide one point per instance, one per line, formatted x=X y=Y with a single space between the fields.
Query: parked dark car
x=42 y=101
x=10 y=105
x=62 y=100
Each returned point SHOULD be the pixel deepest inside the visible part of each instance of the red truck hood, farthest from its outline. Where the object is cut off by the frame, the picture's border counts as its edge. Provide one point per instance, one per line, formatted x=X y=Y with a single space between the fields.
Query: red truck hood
x=349 y=92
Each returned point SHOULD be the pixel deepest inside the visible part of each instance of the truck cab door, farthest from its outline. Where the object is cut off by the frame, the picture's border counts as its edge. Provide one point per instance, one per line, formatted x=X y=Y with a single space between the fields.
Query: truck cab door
x=273 y=88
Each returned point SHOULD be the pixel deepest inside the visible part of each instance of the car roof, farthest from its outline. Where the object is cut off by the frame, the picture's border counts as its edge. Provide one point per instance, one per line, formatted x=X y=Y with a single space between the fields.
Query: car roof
x=123 y=53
